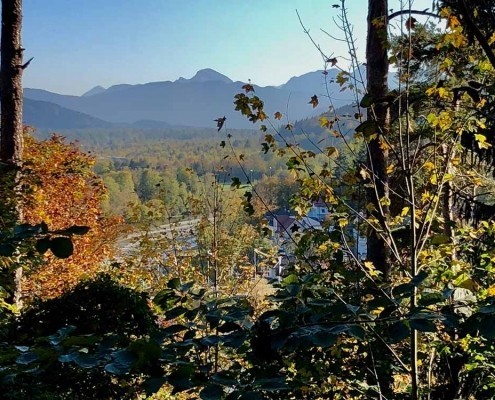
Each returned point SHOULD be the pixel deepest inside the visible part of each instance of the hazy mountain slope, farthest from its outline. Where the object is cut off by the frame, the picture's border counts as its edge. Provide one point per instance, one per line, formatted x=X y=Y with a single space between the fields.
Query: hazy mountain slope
x=96 y=90
x=196 y=101
x=46 y=115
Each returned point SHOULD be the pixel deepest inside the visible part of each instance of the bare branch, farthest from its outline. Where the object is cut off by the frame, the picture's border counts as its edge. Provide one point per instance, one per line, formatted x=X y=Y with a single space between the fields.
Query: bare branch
x=415 y=12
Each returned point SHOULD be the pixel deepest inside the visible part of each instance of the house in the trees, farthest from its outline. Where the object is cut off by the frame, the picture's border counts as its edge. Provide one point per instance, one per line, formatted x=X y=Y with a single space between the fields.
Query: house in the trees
x=319 y=211
x=286 y=227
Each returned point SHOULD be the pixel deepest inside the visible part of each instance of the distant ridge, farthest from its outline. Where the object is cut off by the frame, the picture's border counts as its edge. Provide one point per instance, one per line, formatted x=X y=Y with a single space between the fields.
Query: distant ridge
x=96 y=90
x=209 y=75
x=46 y=115
x=197 y=101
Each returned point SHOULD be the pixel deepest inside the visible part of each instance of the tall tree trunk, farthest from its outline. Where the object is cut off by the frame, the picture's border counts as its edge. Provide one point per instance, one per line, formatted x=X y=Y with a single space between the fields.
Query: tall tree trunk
x=11 y=82
x=378 y=241
x=11 y=129
x=378 y=247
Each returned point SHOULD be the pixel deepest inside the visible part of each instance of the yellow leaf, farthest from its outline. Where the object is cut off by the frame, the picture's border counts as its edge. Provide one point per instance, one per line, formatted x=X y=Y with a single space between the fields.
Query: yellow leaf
x=428 y=165
x=447 y=63
x=370 y=207
x=385 y=201
x=485 y=66
x=425 y=197
x=491 y=291
x=430 y=91
x=481 y=140
x=349 y=178
x=445 y=120
x=443 y=93
x=481 y=124
x=444 y=12
x=332 y=152
x=453 y=22
x=364 y=174
x=371 y=269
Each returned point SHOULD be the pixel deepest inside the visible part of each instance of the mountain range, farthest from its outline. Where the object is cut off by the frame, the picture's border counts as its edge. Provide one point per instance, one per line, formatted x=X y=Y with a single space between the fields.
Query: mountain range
x=192 y=102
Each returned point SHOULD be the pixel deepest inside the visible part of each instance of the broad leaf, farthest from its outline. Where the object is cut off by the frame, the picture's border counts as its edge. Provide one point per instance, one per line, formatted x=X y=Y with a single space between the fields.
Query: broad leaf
x=61 y=247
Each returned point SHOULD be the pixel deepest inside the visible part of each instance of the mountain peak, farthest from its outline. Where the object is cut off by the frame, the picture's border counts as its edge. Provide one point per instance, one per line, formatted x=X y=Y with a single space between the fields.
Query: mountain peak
x=209 y=75
x=96 y=90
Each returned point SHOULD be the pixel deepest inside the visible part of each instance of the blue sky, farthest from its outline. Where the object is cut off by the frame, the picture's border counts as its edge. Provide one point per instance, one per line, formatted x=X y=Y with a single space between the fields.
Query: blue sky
x=80 y=44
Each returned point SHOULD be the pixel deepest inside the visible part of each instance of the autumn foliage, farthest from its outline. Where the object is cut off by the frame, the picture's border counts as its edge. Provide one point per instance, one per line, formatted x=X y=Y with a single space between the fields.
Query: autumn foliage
x=61 y=189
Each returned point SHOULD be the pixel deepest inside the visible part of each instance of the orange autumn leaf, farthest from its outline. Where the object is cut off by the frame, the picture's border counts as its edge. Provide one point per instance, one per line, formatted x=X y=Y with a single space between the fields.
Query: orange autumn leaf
x=314 y=101
x=62 y=190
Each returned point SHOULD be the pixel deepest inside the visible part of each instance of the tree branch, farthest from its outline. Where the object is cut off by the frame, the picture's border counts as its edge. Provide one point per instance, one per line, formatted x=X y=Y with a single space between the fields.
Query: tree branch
x=477 y=33
x=415 y=12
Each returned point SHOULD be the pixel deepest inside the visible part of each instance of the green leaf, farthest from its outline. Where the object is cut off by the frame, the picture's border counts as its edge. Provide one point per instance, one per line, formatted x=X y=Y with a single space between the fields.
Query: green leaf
x=117 y=369
x=251 y=396
x=180 y=378
x=124 y=357
x=368 y=127
x=26 y=358
x=488 y=309
x=337 y=330
x=487 y=327
x=418 y=279
x=165 y=299
x=440 y=239
x=352 y=309
x=403 y=290
x=44 y=227
x=42 y=245
x=70 y=357
x=366 y=101
x=175 y=312
x=211 y=340
x=290 y=279
x=23 y=231
x=153 y=385
x=423 y=325
x=357 y=331
x=430 y=298
x=7 y=250
x=323 y=339
x=222 y=378
x=269 y=384
x=61 y=247
x=174 y=283
x=293 y=289
x=74 y=230
x=211 y=392
x=86 y=360
x=398 y=331
x=228 y=326
x=122 y=362
x=186 y=286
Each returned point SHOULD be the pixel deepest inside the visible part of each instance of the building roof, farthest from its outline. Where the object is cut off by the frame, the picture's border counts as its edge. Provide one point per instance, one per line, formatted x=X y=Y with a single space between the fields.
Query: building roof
x=286 y=223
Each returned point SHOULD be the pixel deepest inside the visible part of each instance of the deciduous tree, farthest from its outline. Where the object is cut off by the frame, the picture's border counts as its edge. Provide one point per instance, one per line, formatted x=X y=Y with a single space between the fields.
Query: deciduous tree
x=62 y=191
